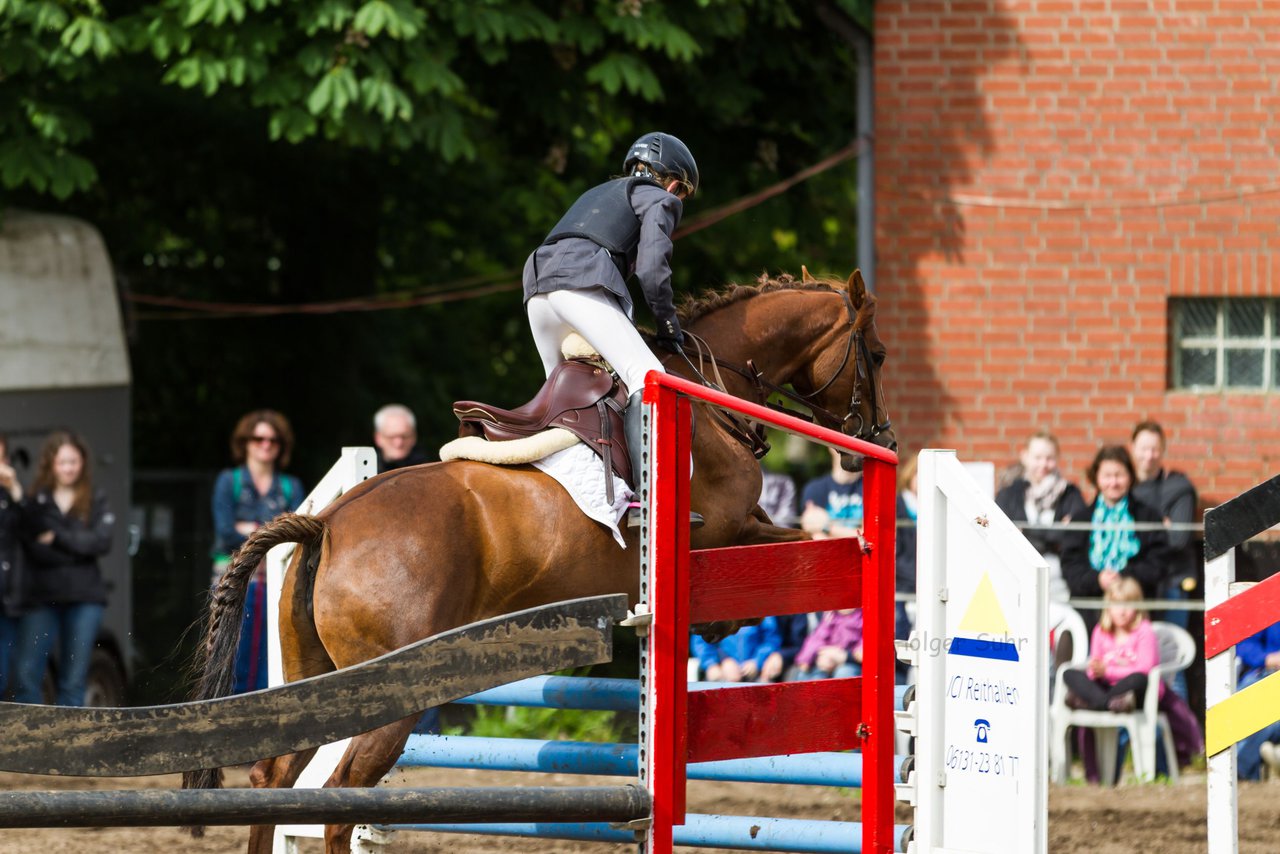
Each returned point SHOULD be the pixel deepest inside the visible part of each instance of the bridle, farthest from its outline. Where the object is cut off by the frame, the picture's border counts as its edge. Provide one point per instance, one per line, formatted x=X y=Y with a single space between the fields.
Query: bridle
x=856 y=347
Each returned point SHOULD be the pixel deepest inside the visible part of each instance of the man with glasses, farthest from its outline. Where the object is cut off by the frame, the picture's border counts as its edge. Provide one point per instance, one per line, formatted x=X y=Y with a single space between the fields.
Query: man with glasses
x=395 y=434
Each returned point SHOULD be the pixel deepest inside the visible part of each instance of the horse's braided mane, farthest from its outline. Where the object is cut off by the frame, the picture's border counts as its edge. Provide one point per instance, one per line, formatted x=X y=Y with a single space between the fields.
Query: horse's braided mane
x=692 y=308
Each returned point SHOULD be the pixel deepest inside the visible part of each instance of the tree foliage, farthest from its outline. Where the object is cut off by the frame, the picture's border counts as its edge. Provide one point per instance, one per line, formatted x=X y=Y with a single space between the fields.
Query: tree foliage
x=289 y=152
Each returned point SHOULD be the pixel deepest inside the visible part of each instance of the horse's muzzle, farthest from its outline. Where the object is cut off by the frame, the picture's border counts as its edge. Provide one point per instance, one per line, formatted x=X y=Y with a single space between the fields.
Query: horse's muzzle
x=885 y=439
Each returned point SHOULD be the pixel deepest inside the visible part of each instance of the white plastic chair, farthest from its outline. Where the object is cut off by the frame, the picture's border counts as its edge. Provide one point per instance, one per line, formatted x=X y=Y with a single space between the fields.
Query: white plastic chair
x=1065 y=622
x=1177 y=651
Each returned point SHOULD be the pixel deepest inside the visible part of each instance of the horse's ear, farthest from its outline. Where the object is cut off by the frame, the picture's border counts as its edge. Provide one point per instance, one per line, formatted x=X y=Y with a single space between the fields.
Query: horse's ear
x=857 y=288
x=805 y=276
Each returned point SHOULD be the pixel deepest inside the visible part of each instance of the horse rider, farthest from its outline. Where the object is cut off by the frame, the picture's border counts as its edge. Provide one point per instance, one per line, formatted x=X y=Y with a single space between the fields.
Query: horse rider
x=616 y=233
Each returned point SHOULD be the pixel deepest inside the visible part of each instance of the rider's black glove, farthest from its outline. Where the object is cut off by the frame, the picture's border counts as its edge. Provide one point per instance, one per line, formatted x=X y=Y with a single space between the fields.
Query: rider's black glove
x=669 y=335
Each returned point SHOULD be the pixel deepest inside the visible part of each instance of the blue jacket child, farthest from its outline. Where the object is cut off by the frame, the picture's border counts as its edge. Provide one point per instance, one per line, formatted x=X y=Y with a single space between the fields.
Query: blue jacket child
x=751 y=644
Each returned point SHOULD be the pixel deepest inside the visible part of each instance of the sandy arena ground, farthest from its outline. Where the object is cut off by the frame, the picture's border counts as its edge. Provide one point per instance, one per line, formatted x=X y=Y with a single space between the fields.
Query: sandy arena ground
x=1154 y=818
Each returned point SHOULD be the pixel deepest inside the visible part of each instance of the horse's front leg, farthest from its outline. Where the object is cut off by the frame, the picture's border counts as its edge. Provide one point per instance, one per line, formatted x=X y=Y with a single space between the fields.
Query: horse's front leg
x=367 y=760
x=758 y=530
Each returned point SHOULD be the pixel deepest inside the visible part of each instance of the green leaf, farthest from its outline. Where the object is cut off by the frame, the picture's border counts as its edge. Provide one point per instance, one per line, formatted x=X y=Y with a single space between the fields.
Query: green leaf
x=321 y=96
x=426 y=73
x=71 y=173
x=197 y=11
x=332 y=15
x=236 y=69
x=212 y=73
x=618 y=71
x=291 y=124
x=346 y=89
x=187 y=72
x=372 y=17
x=47 y=16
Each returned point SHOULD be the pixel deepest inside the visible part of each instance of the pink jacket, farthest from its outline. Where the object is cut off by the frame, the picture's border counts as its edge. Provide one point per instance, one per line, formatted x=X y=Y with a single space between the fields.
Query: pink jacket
x=836 y=629
x=1137 y=653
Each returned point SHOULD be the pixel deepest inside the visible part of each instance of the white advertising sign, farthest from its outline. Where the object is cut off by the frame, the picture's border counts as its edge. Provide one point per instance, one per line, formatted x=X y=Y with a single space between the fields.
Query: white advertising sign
x=982 y=693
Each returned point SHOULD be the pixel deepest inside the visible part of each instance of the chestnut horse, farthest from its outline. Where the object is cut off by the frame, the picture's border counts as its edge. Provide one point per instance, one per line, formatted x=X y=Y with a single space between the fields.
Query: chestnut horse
x=421 y=550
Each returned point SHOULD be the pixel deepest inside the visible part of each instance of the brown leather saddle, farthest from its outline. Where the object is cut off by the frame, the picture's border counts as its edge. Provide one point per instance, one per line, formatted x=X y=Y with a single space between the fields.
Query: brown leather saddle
x=581 y=396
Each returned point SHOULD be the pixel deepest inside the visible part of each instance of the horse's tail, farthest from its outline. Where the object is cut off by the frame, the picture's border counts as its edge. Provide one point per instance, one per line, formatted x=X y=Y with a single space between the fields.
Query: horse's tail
x=214 y=663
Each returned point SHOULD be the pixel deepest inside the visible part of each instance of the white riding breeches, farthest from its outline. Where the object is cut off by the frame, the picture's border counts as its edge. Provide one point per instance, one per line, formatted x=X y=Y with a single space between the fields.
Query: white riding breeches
x=595 y=315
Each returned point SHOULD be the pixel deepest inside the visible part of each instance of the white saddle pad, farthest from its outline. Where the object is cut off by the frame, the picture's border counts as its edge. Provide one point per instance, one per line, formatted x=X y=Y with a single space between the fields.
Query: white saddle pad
x=581 y=473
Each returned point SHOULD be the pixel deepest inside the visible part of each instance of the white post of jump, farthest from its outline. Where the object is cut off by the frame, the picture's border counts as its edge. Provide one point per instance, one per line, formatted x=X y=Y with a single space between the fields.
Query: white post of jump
x=981 y=651
x=354 y=466
x=1220 y=684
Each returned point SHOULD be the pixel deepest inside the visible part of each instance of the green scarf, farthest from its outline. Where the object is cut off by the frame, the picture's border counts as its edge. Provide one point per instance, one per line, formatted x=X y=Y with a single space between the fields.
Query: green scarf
x=1111 y=548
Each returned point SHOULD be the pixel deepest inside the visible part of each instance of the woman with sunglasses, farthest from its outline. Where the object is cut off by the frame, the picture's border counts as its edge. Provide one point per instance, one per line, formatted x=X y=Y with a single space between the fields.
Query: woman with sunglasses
x=246 y=496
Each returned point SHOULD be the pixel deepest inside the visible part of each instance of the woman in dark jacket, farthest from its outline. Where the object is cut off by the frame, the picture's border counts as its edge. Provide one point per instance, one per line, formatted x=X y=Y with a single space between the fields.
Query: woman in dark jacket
x=67 y=527
x=1112 y=550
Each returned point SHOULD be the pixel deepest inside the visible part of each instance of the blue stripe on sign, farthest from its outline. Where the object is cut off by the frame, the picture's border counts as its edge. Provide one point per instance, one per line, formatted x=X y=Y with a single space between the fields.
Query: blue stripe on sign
x=984 y=648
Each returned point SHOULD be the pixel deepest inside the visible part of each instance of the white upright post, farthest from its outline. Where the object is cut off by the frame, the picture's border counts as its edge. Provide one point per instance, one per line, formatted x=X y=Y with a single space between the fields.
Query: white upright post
x=1220 y=684
x=354 y=466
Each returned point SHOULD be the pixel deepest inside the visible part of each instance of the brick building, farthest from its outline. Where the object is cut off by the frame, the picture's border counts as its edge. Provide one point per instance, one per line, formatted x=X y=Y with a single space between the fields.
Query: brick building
x=1078 y=226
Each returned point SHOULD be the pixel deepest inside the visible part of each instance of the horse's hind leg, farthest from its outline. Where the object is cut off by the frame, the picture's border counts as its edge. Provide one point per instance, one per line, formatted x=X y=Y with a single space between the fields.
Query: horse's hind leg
x=280 y=772
x=367 y=760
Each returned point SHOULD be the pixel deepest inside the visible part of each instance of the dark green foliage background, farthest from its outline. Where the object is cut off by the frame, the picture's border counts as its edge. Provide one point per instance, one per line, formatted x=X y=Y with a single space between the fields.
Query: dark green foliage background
x=257 y=151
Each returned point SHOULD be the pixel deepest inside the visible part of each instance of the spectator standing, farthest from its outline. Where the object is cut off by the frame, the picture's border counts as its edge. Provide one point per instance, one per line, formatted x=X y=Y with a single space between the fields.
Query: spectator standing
x=1172 y=494
x=10 y=557
x=1114 y=549
x=245 y=497
x=750 y=654
x=67 y=527
x=833 y=503
x=395 y=433
x=1042 y=496
x=834 y=648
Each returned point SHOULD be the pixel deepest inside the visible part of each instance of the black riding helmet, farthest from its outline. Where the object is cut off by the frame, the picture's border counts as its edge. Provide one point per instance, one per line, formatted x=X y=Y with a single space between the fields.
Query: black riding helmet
x=664 y=155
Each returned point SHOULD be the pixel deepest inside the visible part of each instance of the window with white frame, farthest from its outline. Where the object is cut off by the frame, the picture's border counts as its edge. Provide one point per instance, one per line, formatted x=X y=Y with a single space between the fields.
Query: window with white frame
x=1226 y=343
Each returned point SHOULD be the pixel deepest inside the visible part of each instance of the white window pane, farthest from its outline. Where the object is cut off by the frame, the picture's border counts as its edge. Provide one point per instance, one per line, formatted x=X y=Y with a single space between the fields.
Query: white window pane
x=1199 y=317
x=1244 y=368
x=1199 y=366
x=1246 y=318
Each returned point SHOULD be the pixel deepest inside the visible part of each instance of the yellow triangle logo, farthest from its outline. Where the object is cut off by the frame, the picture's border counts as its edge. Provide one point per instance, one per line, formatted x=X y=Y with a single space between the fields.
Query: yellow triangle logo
x=984 y=614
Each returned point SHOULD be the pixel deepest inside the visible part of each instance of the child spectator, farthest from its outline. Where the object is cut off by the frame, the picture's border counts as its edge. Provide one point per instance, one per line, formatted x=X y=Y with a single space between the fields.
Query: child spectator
x=1122 y=652
x=834 y=649
x=748 y=655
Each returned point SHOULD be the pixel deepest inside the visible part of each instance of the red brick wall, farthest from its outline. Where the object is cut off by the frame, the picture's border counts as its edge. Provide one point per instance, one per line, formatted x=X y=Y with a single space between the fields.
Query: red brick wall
x=1049 y=174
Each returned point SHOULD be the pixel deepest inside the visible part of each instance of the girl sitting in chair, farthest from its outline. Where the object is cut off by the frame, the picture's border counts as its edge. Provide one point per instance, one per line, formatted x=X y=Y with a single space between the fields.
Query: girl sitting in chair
x=1122 y=651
